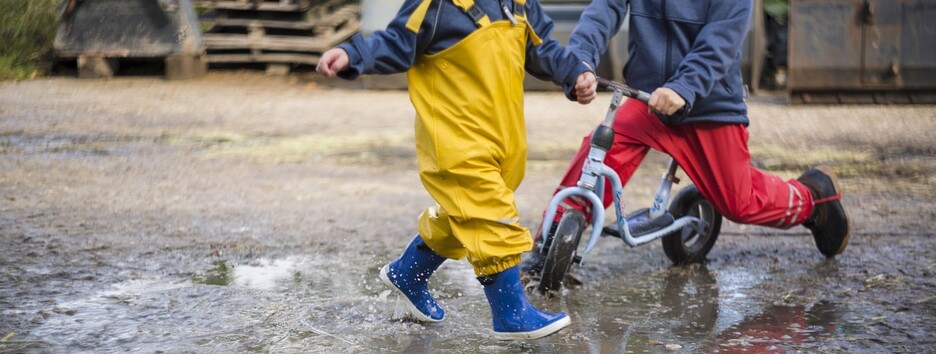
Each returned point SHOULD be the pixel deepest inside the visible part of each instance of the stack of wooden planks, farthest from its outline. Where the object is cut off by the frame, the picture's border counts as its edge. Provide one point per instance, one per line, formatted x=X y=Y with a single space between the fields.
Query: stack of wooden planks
x=279 y=33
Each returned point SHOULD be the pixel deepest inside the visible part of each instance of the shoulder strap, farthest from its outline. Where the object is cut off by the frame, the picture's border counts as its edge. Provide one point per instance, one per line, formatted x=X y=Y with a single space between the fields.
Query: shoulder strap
x=418 y=15
x=477 y=15
x=520 y=12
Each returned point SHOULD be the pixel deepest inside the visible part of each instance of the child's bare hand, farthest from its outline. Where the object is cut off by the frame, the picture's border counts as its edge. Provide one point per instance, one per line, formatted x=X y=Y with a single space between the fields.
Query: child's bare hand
x=332 y=62
x=665 y=101
x=586 y=87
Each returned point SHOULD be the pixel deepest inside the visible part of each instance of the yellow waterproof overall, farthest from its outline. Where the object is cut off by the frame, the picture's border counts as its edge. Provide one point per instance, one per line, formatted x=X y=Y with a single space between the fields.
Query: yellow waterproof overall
x=471 y=143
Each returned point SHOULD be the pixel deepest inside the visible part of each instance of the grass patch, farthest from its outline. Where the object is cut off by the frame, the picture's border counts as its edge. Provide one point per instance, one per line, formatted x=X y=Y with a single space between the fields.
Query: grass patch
x=373 y=149
x=777 y=158
x=908 y=166
x=27 y=29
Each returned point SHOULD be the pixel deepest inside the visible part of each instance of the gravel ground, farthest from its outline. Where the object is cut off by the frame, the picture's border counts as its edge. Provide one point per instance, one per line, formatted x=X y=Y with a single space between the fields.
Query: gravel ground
x=108 y=184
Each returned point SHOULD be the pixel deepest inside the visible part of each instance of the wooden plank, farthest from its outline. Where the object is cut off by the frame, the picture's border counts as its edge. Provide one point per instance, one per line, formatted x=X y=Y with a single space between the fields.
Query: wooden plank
x=245 y=22
x=334 y=19
x=285 y=43
x=262 y=6
x=284 y=58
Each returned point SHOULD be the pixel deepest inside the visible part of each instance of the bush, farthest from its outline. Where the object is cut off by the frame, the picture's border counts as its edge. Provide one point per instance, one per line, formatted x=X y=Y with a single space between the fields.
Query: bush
x=27 y=29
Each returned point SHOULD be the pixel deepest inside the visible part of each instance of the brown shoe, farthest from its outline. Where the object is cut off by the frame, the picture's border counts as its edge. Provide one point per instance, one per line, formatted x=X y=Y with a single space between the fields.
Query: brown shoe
x=828 y=222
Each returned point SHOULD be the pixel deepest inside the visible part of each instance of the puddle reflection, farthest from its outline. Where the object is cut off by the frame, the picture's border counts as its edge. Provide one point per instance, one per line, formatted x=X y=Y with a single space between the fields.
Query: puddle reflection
x=320 y=304
x=690 y=300
x=778 y=329
x=263 y=274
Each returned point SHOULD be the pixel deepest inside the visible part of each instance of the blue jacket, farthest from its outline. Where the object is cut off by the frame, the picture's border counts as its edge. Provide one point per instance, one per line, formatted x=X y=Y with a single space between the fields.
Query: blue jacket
x=394 y=49
x=690 y=46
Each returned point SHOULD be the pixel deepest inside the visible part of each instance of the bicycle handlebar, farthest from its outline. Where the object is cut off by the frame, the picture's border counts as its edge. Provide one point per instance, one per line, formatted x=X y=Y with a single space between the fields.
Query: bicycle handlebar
x=632 y=92
x=626 y=90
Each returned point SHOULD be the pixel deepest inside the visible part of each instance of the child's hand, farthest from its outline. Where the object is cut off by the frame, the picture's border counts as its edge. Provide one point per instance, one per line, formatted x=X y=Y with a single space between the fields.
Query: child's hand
x=665 y=101
x=332 y=62
x=586 y=87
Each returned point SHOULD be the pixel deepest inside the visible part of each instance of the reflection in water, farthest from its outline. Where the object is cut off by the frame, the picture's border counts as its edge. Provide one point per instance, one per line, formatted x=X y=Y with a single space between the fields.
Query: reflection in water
x=778 y=329
x=688 y=309
x=263 y=274
x=321 y=304
x=218 y=274
x=690 y=300
x=420 y=344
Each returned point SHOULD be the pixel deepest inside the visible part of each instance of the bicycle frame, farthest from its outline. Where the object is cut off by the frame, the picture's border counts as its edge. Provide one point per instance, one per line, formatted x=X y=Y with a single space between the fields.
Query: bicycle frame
x=594 y=172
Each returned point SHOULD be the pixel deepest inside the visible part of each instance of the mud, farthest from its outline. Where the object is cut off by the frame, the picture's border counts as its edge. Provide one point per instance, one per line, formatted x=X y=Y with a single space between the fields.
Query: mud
x=243 y=213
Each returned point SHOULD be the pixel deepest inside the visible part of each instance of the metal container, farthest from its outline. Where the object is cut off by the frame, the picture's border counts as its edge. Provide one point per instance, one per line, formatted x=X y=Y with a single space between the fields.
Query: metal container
x=873 y=51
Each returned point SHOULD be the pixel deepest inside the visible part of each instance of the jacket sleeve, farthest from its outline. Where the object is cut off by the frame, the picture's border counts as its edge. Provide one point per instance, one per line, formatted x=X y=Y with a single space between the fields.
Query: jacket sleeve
x=550 y=60
x=389 y=51
x=600 y=21
x=714 y=52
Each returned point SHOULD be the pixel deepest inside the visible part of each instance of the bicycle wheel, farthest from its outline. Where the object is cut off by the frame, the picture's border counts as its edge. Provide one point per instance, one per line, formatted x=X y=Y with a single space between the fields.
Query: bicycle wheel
x=562 y=249
x=685 y=245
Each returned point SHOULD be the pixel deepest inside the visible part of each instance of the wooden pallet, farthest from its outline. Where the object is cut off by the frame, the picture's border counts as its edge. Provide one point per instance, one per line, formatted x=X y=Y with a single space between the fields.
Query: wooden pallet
x=279 y=40
x=258 y=5
x=308 y=8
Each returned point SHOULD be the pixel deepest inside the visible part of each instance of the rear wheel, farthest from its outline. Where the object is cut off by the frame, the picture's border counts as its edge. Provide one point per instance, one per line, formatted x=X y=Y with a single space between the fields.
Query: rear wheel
x=562 y=249
x=686 y=245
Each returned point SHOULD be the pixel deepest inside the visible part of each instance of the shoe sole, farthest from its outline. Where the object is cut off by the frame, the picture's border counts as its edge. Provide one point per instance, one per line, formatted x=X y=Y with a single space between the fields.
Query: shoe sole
x=410 y=307
x=838 y=190
x=539 y=333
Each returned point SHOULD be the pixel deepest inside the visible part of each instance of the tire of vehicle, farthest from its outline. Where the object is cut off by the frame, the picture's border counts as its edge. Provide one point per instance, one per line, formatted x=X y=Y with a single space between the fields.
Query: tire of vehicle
x=562 y=250
x=686 y=246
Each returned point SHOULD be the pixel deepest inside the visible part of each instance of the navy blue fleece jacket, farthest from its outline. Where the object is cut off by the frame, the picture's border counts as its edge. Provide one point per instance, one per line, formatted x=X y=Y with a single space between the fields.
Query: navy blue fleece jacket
x=394 y=49
x=690 y=46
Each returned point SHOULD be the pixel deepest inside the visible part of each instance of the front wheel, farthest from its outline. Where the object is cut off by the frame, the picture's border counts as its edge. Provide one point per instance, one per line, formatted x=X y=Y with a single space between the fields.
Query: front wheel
x=686 y=245
x=562 y=248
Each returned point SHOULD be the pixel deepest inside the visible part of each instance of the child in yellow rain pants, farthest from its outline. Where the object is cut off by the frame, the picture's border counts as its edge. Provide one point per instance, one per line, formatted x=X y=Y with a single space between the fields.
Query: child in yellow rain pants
x=465 y=63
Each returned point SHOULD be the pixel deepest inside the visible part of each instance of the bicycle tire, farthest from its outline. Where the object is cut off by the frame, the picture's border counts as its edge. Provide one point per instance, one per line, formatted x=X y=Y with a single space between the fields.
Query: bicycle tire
x=685 y=245
x=562 y=250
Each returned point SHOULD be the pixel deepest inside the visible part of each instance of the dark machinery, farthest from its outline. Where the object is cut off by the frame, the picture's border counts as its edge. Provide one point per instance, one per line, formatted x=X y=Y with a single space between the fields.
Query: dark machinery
x=100 y=34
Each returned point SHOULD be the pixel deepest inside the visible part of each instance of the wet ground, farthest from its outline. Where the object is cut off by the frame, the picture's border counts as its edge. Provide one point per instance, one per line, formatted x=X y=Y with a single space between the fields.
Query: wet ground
x=242 y=213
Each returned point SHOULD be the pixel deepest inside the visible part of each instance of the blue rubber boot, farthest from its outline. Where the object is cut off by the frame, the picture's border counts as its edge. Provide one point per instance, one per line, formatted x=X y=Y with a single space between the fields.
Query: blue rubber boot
x=409 y=276
x=514 y=317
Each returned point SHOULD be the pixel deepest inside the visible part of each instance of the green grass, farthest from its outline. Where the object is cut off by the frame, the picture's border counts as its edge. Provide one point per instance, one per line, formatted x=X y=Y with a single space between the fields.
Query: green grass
x=27 y=29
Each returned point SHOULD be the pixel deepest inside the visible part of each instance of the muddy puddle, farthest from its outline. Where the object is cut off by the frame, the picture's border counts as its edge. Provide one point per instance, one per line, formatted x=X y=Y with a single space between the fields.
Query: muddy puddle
x=217 y=216
x=334 y=303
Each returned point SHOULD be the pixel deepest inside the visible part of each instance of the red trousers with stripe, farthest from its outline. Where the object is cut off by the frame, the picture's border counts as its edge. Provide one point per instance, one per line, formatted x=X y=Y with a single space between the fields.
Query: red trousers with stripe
x=715 y=156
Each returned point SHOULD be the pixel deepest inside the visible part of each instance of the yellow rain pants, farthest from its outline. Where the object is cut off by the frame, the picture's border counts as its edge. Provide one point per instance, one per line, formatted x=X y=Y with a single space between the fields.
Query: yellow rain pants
x=471 y=146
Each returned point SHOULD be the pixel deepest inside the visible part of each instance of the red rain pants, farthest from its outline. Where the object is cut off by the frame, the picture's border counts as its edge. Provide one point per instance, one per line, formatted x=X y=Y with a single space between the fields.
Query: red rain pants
x=715 y=156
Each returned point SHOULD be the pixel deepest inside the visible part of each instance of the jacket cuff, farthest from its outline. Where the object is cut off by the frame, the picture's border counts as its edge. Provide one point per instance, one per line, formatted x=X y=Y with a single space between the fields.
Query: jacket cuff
x=569 y=84
x=357 y=61
x=569 y=92
x=686 y=94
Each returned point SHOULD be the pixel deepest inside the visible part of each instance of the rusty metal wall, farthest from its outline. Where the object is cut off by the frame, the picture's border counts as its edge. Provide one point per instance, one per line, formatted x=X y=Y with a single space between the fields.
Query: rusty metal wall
x=873 y=51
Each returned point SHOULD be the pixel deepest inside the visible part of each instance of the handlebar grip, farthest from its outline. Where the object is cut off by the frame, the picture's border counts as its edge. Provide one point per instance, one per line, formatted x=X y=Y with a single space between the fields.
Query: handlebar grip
x=604 y=83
